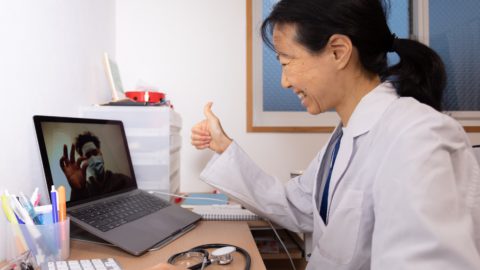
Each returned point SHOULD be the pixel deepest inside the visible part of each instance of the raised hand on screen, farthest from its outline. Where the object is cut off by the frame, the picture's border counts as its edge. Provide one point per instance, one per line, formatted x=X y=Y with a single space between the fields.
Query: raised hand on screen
x=73 y=169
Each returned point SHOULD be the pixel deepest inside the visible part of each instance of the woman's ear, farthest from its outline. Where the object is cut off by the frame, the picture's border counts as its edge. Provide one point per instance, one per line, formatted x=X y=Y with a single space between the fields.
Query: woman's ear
x=340 y=47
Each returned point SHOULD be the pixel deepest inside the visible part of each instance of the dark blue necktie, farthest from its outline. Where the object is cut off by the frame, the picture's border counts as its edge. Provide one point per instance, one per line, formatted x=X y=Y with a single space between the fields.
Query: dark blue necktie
x=324 y=205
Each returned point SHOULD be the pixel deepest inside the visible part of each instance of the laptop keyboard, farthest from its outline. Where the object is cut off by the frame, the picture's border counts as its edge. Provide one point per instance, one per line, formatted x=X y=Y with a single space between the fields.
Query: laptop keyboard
x=111 y=214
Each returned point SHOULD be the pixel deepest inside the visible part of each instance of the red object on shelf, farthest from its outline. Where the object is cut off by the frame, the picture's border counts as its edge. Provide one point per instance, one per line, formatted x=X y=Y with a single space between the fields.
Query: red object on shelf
x=145 y=96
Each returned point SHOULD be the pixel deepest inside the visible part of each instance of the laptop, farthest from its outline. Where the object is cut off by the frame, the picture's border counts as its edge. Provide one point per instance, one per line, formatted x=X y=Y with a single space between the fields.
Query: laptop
x=91 y=159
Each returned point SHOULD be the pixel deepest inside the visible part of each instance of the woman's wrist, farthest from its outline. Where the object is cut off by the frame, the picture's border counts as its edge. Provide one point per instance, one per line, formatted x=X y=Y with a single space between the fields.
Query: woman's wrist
x=224 y=145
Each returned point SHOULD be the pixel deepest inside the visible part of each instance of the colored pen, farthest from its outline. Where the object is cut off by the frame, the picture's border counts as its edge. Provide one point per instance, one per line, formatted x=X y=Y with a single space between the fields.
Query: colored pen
x=44 y=213
x=54 y=199
x=35 y=198
x=6 y=208
x=20 y=211
x=29 y=226
x=17 y=209
x=53 y=196
x=34 y=236
x=62 y=204
x=20 y=241
x=62 y=217
x=28 y=206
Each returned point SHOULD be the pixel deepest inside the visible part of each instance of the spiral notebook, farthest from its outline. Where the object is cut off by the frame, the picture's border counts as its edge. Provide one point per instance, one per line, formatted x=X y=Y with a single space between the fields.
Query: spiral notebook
x=225 y=212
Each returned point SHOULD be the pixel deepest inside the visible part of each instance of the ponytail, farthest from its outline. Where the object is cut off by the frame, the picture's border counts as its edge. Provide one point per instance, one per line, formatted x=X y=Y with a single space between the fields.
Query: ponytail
x=419 y=74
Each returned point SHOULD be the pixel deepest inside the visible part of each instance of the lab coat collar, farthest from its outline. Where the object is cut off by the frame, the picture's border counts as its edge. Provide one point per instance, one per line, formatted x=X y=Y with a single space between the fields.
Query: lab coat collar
x=370 y=109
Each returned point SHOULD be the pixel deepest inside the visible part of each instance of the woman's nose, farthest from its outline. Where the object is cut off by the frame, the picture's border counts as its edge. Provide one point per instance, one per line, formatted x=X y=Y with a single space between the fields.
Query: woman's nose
x=284 y=81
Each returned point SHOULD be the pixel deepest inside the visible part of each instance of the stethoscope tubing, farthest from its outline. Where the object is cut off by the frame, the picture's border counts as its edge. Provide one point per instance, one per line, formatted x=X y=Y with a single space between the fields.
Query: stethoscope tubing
x=203 y=249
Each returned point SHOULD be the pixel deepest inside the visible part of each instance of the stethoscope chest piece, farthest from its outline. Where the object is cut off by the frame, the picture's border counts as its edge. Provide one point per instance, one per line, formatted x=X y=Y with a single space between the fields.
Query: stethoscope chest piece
x=199 y=258
x=223 y=255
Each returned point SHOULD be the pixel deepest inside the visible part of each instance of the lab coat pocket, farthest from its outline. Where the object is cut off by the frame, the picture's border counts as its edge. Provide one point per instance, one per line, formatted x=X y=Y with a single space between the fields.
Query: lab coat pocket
x=339 y=240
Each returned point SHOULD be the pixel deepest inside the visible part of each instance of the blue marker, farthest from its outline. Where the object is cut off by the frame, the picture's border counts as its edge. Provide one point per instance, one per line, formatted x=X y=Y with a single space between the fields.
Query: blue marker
x=27 y=205
x=53 y=195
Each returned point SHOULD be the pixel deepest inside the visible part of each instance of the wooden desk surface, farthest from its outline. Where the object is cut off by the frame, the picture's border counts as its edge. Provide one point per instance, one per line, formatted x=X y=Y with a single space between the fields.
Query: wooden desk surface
x=225 y=232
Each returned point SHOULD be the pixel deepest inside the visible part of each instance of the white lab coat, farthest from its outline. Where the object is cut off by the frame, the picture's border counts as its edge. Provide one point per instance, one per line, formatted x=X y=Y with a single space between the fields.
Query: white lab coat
x=404 y=194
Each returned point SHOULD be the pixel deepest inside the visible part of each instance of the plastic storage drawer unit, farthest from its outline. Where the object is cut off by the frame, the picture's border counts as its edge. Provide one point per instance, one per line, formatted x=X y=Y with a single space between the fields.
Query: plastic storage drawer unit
x=153 y=135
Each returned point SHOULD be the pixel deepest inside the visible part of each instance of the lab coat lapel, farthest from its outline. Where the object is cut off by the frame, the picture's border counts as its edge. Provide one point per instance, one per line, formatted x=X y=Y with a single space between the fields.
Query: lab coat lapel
x=317 y=219
x=365 y=116
x=342 y=161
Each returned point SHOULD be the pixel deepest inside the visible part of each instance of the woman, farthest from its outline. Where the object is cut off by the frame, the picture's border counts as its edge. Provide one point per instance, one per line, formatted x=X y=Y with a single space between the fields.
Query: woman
x=397 y=185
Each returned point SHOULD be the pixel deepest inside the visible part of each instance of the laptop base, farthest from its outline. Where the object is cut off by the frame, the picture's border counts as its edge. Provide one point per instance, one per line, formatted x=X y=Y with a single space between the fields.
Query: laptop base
x=79 y=234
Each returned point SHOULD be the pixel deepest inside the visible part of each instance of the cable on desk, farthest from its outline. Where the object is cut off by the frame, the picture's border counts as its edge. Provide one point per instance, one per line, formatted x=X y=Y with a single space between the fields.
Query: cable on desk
x=283 y=245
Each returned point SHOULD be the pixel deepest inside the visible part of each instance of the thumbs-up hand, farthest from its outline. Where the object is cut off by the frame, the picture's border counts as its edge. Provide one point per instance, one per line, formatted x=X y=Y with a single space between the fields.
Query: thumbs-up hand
x=209 y=132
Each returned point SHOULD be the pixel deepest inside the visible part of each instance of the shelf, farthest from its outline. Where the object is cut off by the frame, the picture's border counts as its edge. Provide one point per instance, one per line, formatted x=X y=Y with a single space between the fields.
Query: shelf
x=270 y=247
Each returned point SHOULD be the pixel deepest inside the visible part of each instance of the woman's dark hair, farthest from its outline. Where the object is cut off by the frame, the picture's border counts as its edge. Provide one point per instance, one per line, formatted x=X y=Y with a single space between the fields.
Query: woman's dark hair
x=419 y=74
x=82 y=139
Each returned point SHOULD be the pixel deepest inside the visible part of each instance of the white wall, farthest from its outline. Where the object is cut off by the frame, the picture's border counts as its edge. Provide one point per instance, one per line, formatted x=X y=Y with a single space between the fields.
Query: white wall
x=50 y=63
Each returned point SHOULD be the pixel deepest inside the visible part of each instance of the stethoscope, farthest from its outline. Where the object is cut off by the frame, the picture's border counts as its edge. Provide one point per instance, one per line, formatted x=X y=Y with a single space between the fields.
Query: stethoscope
x=201 y=258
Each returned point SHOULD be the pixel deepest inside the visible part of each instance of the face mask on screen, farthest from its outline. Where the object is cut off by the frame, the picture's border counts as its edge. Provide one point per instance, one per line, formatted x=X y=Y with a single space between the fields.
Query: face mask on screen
x=95 y=169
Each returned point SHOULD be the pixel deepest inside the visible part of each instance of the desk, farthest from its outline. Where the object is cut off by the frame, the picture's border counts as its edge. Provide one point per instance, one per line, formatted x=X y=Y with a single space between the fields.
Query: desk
x=228 y=232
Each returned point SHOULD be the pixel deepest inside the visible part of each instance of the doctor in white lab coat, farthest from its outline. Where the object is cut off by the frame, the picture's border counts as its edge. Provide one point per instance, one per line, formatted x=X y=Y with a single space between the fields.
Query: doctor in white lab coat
x=397 y=186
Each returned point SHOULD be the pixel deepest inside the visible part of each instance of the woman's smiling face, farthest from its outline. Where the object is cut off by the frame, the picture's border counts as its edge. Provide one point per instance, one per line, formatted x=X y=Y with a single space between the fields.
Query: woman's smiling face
x=312 y=76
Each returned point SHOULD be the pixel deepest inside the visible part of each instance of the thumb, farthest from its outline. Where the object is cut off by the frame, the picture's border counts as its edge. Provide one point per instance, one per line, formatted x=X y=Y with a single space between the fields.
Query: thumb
x=207 y=111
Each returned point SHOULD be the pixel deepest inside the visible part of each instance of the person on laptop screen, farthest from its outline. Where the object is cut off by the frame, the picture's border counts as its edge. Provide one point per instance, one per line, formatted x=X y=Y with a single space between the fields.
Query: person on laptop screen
x=87 y=175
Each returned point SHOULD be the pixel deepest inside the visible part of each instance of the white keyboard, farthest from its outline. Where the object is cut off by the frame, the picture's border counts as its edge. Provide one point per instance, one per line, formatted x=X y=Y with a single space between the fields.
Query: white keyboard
x=90 y=264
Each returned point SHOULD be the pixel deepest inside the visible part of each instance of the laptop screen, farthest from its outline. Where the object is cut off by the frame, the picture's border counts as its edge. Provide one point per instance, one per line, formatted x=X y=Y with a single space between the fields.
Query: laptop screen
x=89 y=157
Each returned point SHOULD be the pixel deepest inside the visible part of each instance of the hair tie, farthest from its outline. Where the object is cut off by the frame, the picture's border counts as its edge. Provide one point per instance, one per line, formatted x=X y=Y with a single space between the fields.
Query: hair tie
x=393 y=37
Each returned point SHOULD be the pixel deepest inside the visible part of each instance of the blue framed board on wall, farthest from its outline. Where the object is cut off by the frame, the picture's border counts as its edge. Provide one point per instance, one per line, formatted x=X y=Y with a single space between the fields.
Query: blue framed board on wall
x=270 y=108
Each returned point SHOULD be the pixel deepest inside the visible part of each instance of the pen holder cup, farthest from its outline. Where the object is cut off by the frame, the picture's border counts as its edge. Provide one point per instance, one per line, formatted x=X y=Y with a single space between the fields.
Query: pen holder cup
x=46 y=242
